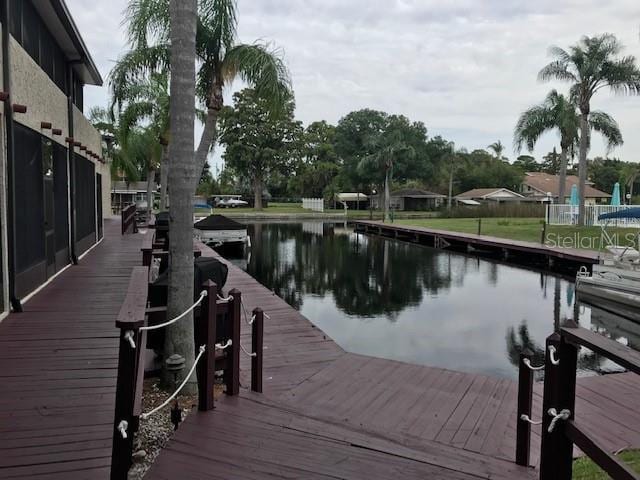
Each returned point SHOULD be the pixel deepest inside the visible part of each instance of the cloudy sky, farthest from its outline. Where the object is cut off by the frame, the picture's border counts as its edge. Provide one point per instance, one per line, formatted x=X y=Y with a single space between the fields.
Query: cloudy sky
x=466 y=68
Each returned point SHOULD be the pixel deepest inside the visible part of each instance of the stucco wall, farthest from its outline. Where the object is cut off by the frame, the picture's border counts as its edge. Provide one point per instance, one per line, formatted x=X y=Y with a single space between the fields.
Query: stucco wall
x=32 y=87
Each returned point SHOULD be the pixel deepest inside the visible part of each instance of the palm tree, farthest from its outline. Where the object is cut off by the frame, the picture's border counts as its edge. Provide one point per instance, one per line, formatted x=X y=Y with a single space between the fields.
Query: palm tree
x=592 y=64
x=185 y=174
x=220 y=59
x=498 y=149
x=629 y=176
x=147 y=101
x=388 y=149
x=557 y=112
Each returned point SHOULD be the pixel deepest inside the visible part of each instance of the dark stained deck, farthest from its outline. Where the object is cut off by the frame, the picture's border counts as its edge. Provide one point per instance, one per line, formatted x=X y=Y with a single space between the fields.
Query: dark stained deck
x=321 y=406
x=58 y=364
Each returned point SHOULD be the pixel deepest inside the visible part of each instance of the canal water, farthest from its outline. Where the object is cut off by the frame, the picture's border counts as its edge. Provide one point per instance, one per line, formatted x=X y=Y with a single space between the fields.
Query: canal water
x=406 y=302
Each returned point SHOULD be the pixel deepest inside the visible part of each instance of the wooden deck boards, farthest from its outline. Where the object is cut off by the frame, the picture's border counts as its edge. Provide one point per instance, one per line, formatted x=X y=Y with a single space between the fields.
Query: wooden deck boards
x=419 y=408
x=58 y=363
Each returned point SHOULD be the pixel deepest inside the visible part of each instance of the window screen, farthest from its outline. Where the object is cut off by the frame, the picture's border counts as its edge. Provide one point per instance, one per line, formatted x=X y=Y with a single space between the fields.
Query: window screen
x=31 y=26
x=60 y=196
x=16 y=19
x=29 y=206
x=85 y=197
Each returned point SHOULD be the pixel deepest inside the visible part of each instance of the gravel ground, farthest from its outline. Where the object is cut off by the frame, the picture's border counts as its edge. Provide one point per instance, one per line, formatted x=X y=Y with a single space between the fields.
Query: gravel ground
x=155 y=431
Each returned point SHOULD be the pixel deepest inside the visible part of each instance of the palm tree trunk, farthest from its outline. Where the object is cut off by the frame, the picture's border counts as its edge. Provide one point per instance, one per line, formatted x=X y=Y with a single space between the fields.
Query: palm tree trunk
x=563 y=176
x=164 y=177
x=257 y=193
x=387 y=197
x=179 y=336
x=151 y=177
x=582 y=165
x=208 y=138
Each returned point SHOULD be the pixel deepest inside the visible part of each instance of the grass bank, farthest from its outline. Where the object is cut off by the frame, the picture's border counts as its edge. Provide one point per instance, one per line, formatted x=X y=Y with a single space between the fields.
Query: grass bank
x=293 y=209
x=585 y=469
x=530 y=230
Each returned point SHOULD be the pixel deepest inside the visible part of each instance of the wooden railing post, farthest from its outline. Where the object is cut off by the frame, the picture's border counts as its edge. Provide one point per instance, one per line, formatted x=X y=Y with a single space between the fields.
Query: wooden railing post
x=525 y=402
x=206 y=335
x=232 y=372
x=553 y=444
x=567 y=369
x=257 y=333
x=122 y=448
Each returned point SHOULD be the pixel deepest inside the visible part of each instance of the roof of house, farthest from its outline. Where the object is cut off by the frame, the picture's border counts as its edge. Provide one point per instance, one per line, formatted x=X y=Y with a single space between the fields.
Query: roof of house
x=545 y=183
x=415 y=193
x=55 y=14
x=487 y=192
x=350 y=197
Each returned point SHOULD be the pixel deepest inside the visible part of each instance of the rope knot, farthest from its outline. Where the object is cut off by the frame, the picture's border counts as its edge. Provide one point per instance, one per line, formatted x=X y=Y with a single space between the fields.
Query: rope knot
x=563 y=415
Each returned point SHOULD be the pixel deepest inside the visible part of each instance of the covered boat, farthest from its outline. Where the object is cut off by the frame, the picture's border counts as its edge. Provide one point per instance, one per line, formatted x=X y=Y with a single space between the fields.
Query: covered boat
x=217 y=230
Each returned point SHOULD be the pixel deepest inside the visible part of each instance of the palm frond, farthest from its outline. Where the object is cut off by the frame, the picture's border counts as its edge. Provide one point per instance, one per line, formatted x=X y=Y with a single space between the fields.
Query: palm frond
x=147 y=22
x=605 y=124
x=263 y=68
x=623 y=75
x=218 y=25
x=556 y=70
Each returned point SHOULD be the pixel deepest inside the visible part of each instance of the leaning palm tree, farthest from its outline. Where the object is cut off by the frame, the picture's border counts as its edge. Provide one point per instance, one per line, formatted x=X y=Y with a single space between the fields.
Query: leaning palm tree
x=146 y=101
x=592 y=64
x=221 y=59
x=388 y=149
x=498 y=149
x=557 y=112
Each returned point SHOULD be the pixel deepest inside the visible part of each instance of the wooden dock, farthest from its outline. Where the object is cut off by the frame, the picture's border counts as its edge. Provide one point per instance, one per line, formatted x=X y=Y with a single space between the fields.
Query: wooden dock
x=533 y=252
x=58 y=363
x=325 y=413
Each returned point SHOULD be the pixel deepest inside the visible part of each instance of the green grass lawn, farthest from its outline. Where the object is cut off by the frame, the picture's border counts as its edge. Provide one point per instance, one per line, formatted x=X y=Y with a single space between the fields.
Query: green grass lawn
x=296 y=208
x=528 y=229
x=585 y=469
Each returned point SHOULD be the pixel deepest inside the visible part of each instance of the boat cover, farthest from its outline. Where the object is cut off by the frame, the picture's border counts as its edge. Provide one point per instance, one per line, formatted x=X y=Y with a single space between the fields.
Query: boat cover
x=626 y=213
x=218 y=222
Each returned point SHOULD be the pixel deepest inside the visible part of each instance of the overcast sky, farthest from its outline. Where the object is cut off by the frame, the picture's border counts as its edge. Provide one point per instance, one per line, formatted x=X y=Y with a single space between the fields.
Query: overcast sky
x=466 y=68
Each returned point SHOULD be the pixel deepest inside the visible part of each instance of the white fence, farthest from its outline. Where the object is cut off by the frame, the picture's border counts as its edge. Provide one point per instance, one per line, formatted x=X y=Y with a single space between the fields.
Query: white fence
x=315 y=204
x=568 y=215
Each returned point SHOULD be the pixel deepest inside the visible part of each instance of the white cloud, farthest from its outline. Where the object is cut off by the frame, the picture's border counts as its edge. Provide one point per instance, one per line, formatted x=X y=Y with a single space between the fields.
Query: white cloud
x=466 y=68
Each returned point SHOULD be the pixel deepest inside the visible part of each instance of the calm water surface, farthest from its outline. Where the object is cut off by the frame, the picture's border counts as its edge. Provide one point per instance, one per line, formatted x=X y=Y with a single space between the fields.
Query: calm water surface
x=401 y=301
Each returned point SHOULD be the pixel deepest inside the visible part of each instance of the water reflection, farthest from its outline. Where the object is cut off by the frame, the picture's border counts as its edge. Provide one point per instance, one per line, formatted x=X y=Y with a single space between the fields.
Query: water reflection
x=396 y=300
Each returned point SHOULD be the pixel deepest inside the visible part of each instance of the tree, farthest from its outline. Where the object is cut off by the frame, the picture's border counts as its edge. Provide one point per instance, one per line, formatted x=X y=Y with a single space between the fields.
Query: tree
x=146 y=101
x=185 y=173
x=221 y=59
x=390 y=148
x=258 y=144
x=498 y=150
x=527 y=163
x=480 y=169
x=591 y=65
x=629 y=174
x=557 y=112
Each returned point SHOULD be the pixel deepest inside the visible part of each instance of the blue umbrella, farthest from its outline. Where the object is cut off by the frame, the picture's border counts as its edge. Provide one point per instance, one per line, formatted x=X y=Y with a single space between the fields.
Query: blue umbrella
x=615 y=196
x=574 y=196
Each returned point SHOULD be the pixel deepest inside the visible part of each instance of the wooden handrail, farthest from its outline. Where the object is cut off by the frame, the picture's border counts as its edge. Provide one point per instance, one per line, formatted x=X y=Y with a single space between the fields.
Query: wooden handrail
x=556 y=458
x=614 y=351
x=525 y=406
x=128 y=219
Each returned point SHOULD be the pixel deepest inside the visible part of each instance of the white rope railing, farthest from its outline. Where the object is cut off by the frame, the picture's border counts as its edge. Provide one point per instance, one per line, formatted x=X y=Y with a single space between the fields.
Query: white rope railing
x=146 y=415
x=527 y=362
x=249 y=354
x=225 y=299
x=525 y=418
x=220 y=346
x=563 y=415
x=552 y=355
x=182 y=315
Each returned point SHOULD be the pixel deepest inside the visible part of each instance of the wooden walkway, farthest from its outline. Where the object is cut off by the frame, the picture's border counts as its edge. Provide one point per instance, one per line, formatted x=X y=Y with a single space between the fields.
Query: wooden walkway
x=479 y=242
x=58 y=364
x=326 y=413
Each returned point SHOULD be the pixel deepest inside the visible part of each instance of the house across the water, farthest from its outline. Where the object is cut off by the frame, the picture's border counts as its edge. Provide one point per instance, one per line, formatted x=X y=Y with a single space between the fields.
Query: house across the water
x=539 y=185
x=411 y=199
x=54 y=182
x=126 y=193
x=479 y=196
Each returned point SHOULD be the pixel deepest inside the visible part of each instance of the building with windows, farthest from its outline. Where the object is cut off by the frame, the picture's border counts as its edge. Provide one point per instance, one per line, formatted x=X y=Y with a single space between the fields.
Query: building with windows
x=540 y=185
x=54 y=181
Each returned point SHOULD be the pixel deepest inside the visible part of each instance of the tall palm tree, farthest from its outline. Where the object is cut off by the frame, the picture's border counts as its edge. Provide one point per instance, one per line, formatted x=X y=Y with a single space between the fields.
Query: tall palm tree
x=147 y=101
x=221 y=59
x=498 y=149
x=185 y=174
x=557 y=112
x=592 y=64
x=388 y=149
